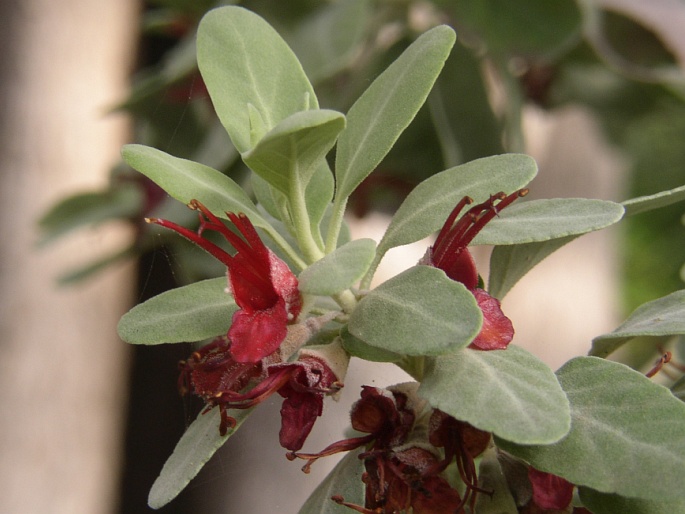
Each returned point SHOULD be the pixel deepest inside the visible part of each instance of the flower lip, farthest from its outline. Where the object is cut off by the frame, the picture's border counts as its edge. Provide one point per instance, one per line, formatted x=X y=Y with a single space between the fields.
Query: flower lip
x=263 y=286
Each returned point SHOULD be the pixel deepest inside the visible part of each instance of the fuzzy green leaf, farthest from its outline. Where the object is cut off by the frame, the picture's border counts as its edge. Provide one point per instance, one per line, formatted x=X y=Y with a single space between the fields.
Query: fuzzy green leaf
x=386 y=108
x=189 y=313
x=253 y=77
x=288 y=154
x=662 y=317
x=338 y=270
x=542 y=220
x=509 y=263
x=358 y=348
x=602 y=503
x=345 y=480
x=426 y=208
x=193 y=450
x=655 y=201
x=418 y=312
x=510 y=393
x=187 y=180
x=627 y=433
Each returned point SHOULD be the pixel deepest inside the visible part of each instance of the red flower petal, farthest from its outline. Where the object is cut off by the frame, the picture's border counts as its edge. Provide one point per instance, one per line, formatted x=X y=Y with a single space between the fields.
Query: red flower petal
x=550 y=491
x=497 y=331
x=257 y=334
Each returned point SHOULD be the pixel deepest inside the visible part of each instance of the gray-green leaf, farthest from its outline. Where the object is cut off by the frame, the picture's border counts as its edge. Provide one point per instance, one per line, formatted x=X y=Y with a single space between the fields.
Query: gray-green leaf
x=627 y=433
x=541 y=220
x=602 y=503
x=287 y=154
x=662 y=317
x=655 y=201
x=245 y=62
x=193 y=450
x=510 y=393
x=189 y=313
x=345 y=480
x=426 y=208
x=338 y=270
x=418 y=312
x=386 y=108
x=187 y=180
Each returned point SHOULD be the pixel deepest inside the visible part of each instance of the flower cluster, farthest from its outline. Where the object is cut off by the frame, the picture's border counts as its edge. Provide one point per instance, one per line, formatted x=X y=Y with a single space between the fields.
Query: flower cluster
x=408 y=447
x=253 y=361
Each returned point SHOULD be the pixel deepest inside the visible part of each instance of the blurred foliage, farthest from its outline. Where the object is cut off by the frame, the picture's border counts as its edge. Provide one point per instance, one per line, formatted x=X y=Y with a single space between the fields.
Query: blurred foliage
x=620 y=65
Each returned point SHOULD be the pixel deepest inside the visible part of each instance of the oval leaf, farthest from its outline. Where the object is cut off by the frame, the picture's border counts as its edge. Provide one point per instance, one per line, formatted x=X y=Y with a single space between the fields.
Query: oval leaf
x=288 y=154
x=251 y=74
x=189 y=313
x=345 y=480
x=193 y=450
x=602 y=503
x=662 y=317
x=386 y=108
x=655 y=201
x=358 y=348
x=542 y=220
x=418 y=312
x=627 y=433
x=426 y=208
x=187 y=180
x=338 y=270
x=510 y=393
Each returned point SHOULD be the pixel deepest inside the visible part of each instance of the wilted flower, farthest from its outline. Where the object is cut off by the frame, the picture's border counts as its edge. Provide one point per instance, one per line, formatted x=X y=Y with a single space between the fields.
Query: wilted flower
x=212 y=374
x=262 y=284
x=450 y=254
x=403 y=463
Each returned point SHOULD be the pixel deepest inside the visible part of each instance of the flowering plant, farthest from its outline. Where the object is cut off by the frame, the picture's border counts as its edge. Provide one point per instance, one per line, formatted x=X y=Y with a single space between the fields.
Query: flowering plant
x=485 y=427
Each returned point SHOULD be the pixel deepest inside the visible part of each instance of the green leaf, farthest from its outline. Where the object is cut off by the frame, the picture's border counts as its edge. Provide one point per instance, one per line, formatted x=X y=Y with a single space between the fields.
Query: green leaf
x=244 y=62
x=510 y=393
x=655 y=201
x=418 y=312
x=345 y=480
x=318 y=196
x=662 y=317
x=120 y=202
x=326 y=42
x=426 y=208
x=288 y=154
x=189 y=313
x=187 y=180
x=358 y=348
x=542 y=220
x=627 y=433
x=491 y=478
x=678 y=389
x=602 y=503
x=193 y=450
x=338 y=270
x=386 y=108
x=509 y=263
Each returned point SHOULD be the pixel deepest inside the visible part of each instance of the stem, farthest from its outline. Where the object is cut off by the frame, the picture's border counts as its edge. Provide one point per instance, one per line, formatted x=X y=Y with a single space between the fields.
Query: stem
x=300 y=218
x=288 y=250
x=346 y=300
x=335 y=224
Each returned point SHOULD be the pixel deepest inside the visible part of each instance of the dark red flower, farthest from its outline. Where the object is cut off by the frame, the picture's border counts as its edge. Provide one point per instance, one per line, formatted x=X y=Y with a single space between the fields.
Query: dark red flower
x=550 y=492
x=212 y=374
x=402 y=461
x=262 y=284
x=450 y=254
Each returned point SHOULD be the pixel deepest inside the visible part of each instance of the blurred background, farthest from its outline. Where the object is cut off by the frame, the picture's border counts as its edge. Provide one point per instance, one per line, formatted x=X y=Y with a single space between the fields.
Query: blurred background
x=593 y=89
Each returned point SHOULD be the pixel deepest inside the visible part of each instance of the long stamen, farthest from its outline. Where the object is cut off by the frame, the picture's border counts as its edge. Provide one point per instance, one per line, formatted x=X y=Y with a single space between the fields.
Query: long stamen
x=337 y=447
x=492 y=211
x=467 y=200
x=196 y=238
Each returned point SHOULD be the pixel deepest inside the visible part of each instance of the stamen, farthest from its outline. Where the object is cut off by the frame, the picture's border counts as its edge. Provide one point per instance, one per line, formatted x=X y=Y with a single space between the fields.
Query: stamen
x=665 y=358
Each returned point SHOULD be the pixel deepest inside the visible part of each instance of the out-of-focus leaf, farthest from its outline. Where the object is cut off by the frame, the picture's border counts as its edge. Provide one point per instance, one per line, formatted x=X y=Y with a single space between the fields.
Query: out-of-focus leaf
x=655 y=201
x=125 y=201
x=662 y=317
x=603 y=503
